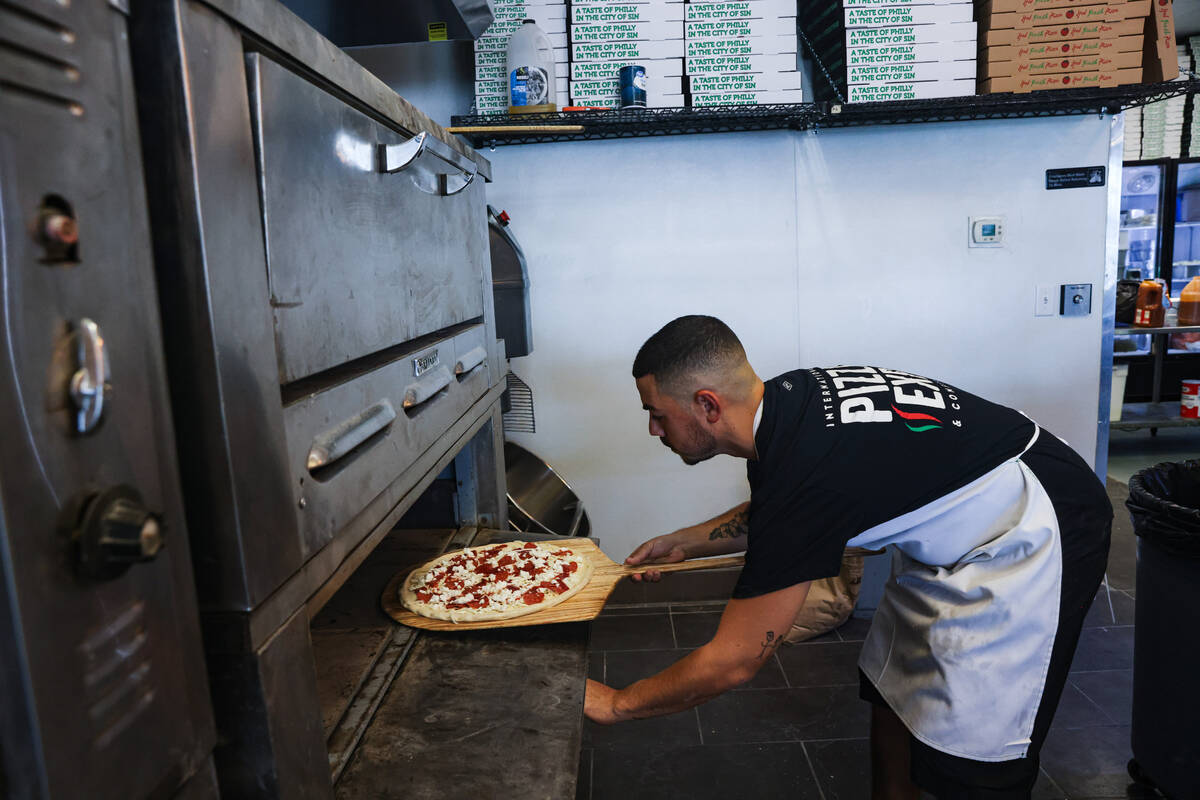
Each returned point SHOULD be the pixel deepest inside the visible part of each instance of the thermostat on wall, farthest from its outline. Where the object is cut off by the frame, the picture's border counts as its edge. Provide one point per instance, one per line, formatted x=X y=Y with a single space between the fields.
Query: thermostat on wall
x=987 y=232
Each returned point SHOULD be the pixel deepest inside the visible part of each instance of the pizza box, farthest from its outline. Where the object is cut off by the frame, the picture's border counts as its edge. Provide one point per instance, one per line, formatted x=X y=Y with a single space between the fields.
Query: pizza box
x=531 y=3
x=500 y=43
x=741 y=9
x=498 y=103
x=734 y=28
x=666 y=101
x=742 y=46
x=745 y=82
x=1056 y=64
x=627 y=52
x=1070 y=80
x=1070 y=32
x=600 y=70
x=907 y=15
x=591 y=12
x=1069 y=47
x=489 y=58
x=612 y=88
x=522 y=11
x=485 y=87
x=716 y=65
x=912 y=34
x=710 y=99
x=997 y=6
x=580 y=607
x=893 y=3
x=626 y=32
x=910 y=53
x=1160 y=61
x=906 y=73
x=926 y=90
x=507 y=27
x=1111 y=12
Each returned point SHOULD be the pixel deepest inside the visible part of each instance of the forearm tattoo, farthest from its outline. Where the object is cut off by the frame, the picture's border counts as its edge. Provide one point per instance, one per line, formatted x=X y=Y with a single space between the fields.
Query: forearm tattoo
x=735 y=527
x=770 y=644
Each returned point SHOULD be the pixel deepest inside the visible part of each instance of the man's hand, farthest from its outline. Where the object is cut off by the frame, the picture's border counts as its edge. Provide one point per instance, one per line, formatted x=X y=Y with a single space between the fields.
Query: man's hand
x=599 y=703
x=659 y=550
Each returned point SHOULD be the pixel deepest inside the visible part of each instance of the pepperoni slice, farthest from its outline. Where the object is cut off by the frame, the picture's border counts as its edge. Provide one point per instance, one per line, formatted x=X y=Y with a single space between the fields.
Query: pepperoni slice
x=533 y=596
x=504 y=562
x=529 y=546
x=423 y=596
x=571 y=566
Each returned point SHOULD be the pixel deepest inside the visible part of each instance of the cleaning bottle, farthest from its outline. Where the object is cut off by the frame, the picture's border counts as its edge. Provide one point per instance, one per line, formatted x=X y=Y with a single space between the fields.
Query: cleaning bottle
x=532 y=84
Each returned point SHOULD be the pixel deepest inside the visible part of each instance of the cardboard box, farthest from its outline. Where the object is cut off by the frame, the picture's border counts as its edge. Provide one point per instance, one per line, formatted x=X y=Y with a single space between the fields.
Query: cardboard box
x=490 y=42
x=887 y=3
x=1058 y=33
x=582 y=91
x=926 y=90
x=626 y=32
x=911 y=34
x=1112 y=12
x=910 y=15
x=910 y=53
x=666 y=101
x=906 y=73
x=627 y=52
x=746 y=98
x=999 y=6
x=736 y=64
x=735 y=28
x=498 y=104
x=541 y=14
x=1069 y=47
x=591 y=12
x=1070 y=80
x=501 y=87
x=600 y=70
x=507 y=27
x=1160 y=62
x=741 y=9
x=745 y=82
x=1049 y=66
x=744 y=46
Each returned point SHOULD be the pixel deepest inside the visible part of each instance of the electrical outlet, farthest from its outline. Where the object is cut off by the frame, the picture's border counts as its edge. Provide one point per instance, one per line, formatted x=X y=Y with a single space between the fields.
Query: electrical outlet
x=1046 y=303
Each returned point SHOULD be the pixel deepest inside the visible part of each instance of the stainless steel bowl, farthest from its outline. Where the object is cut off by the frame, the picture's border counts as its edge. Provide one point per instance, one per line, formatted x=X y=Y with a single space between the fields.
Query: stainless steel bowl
x=538 y=499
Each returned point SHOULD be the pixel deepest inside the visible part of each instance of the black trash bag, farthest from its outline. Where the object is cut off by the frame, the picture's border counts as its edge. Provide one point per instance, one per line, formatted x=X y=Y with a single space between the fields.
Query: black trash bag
x=1164 y=503
x=1127 y=292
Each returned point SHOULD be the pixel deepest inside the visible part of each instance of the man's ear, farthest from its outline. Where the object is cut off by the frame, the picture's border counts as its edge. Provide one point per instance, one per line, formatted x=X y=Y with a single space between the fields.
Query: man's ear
x=710 y=404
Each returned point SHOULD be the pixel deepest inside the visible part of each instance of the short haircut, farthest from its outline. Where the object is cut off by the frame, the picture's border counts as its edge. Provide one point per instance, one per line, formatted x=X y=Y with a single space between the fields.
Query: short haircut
x=685 y=347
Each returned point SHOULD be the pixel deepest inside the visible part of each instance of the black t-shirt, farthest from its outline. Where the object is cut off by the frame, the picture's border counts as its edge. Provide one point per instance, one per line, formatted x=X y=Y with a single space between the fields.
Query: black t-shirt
x=843 y=449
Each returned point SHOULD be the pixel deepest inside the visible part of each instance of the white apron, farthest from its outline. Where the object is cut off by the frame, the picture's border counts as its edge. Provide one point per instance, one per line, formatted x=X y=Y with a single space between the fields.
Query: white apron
x=961 y=643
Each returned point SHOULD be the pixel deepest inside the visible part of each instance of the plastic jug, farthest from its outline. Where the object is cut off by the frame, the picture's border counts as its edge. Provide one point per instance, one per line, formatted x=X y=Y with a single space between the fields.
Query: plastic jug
x=1189 y=303
x=532 y=83
x=1150 y=313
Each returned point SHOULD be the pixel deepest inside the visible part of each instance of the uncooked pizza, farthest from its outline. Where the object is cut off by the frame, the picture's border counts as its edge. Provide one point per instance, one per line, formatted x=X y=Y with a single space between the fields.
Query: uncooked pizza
x=495 y=582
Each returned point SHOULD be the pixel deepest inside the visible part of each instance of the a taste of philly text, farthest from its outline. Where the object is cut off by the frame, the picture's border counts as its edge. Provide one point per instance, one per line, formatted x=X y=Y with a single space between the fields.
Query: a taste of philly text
x=867 y=394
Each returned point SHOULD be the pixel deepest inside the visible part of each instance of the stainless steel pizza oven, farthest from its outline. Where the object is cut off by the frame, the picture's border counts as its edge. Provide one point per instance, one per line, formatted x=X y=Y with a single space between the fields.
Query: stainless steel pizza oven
x=323 y=272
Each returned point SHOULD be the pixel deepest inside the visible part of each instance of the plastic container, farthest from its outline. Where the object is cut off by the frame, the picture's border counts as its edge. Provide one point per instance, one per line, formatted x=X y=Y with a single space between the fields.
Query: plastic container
x=531 y=73
x=1151 y=312
x=1119 y=375
x=1189 y=303
x=1164 y=504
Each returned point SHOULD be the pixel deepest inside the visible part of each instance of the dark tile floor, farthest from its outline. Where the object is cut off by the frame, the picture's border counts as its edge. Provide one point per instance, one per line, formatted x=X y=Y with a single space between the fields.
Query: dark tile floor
x=798 y=730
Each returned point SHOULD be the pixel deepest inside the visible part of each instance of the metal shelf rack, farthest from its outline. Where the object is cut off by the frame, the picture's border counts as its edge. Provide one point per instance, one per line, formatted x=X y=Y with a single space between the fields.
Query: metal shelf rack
x=633 y=123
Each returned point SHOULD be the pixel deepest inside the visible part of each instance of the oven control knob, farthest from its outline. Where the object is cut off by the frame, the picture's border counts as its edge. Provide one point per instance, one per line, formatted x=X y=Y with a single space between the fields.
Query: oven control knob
x=115 y=530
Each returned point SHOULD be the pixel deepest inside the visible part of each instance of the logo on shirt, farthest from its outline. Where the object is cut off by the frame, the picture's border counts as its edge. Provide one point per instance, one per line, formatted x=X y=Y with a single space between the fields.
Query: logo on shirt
x=786 y=384
x=868 y=394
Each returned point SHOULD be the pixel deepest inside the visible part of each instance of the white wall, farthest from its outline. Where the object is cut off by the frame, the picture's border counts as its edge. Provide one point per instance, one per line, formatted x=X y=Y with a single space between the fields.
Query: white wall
x=817 y=248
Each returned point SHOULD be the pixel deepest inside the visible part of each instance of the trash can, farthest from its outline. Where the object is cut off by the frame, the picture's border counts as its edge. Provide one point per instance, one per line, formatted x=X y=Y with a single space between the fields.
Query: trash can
x=1164 y=503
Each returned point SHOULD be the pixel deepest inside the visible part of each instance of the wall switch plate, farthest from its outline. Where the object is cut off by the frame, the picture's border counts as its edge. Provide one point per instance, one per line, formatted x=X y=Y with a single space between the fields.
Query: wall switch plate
x=1047 y=302
x=986 y=232
x=1076 y=299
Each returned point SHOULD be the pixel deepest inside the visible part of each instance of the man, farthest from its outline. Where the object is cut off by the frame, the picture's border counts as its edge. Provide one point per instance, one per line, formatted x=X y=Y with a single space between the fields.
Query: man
x=999 y=535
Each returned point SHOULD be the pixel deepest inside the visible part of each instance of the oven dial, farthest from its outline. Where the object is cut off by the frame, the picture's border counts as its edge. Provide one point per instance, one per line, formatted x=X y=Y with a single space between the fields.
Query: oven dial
x=114 y=530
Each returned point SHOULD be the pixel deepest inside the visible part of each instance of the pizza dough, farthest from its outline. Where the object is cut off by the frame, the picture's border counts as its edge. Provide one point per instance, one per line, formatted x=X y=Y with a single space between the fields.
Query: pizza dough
x=495 y=582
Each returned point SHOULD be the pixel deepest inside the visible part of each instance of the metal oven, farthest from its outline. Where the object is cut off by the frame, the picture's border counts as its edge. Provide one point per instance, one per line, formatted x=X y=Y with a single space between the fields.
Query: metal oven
x=322 y=261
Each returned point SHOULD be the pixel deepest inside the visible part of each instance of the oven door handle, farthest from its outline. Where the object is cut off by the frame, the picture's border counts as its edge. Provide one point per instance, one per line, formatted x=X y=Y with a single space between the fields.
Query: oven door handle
x=399 y=157
x=470 y=360
x=334 y=444
x=426 y=388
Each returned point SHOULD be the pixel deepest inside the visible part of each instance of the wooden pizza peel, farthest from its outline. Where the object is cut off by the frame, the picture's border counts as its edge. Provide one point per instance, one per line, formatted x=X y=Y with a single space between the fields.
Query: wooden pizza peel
x=581 y=607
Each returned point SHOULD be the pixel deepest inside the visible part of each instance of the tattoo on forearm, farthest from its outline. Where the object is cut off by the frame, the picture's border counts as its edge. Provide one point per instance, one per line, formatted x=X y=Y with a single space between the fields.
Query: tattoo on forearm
x=737 y=526
x=770 y=644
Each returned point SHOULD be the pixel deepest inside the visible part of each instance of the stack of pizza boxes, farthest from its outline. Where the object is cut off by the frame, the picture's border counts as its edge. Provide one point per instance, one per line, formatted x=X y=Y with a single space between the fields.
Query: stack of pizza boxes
x=1031 y=45
x=1192 y=120
x=491 y=48
x=1162 y=126
x=909 y=49
x=607 y=35
x=741 y=52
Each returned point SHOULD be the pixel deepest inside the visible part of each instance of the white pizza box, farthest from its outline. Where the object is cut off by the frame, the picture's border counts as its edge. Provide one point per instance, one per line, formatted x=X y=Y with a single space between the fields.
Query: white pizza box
x=907 y=15
x=613 y=101
x=590 y=12
x=541 y=14
x=599 y=70
x=626 y=32
x=487 y=58
x=744 y=46
x=731 y=28
x=497 y=4
x=500 y=43
x=628 y=52
x=507 y=27
x=887 y=3
x=747 y=98
x=912 y=34
x=483 y=88
x=741 y=9
x=745 y=82
x=498 y=103
x=905 y=73
x=583 y=91
x=736 y=64
x=499 y=72
x=910 y=53
x=911 y=91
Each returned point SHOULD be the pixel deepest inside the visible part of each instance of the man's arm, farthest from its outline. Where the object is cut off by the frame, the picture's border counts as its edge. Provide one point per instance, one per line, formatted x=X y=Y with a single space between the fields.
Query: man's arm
x=749 y=633
x=725 y=533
